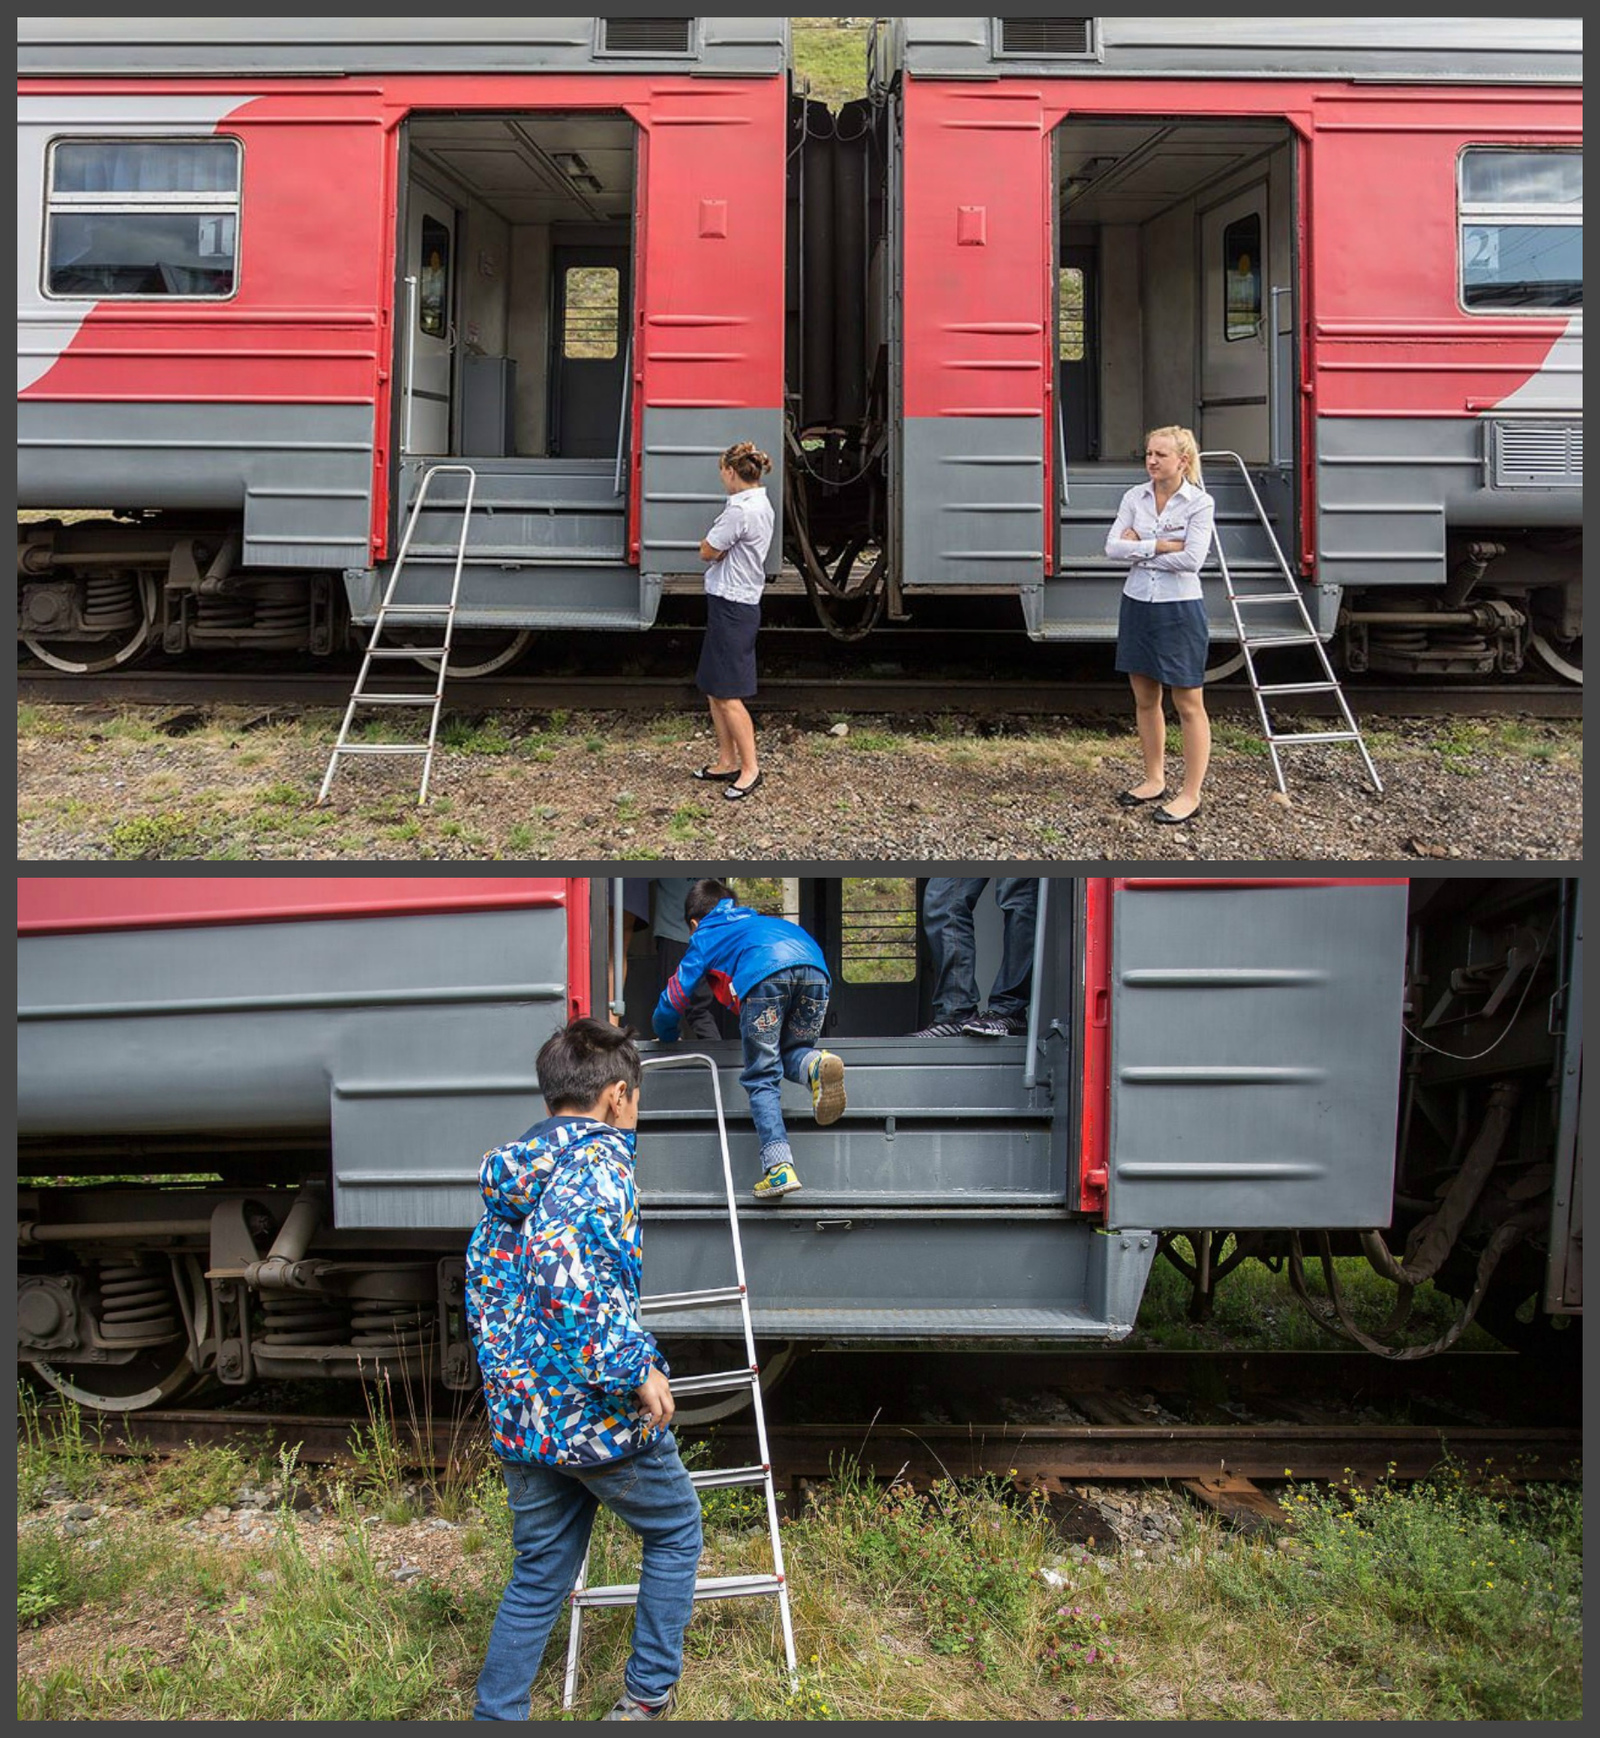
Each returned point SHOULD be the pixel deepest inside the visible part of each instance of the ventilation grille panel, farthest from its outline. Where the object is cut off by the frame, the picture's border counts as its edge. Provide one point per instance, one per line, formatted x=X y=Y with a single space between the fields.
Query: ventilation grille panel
x=645 y=35
x=1538 y=455
x=1052 y=37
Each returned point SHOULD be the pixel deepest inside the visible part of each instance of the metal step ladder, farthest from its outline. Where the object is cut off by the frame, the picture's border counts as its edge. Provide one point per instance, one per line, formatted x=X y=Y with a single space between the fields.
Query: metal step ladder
x=388 y=611
x=748 y=1377
x=1303 y=634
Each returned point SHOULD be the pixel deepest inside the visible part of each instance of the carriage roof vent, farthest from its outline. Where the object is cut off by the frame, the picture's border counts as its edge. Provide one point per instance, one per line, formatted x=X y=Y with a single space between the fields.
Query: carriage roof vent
x=646 y=36
x=1052 y=38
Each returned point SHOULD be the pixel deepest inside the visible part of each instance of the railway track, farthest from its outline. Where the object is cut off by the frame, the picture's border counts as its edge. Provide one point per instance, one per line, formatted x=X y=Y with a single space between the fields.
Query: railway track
x=872 y=1418
x=977 y=696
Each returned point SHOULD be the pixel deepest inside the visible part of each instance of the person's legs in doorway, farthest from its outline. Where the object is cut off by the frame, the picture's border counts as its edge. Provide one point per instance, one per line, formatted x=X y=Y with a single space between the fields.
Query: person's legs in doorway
x=947 y=906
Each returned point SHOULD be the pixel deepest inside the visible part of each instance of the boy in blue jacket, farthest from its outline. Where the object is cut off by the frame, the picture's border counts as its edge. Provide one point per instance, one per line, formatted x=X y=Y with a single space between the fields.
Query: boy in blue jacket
x=577 y=1391
x=772 y=974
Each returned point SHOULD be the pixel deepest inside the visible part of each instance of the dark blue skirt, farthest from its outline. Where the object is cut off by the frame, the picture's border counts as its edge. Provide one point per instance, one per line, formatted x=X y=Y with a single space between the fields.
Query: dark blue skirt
x=1164 y=641
x=728 y=657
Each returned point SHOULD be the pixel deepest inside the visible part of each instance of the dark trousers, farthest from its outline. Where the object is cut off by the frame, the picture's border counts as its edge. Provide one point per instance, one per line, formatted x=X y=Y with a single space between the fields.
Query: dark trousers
x=947 y=922
x=700 y=1017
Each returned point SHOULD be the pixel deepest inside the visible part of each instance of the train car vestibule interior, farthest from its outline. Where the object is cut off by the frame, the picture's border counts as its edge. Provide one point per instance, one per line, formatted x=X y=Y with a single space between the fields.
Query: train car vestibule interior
x=872 y=935
x=517 y=231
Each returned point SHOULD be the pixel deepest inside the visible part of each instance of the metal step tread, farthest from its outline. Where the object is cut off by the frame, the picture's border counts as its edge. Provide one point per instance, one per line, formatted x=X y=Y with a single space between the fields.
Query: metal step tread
x=1266 y=597
x=1299 y=688
x=900 y=1322
x=716 y=1382
x=407 y=651
x=383 y=748
x=1253 y=641
x=720 y=1477
x=691 y=1300
x=710 y=1587
x=362 y=698
x=1314 y=736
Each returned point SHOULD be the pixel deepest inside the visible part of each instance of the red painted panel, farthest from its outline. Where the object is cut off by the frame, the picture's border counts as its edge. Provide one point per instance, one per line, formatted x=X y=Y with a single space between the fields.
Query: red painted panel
x=62 y=904
x=1095 y=1132
x=1182 y=883
x=578 y=893
x=313 y=317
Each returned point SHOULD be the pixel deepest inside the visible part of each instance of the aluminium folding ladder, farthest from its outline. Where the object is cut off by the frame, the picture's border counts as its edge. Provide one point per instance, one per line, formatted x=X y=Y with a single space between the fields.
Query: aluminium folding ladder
x=388 y=609
x=1302 y=633
x=747 y=1377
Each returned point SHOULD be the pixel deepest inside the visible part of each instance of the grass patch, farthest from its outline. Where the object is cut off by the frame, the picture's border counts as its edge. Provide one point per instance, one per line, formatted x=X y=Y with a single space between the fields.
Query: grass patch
x=153 y=836
x=831 y=57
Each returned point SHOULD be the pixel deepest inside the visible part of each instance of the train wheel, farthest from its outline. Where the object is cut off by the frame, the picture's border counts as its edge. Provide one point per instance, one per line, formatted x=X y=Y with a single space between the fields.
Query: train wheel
x=1564 y=667
x=87 y=657
x=1221 y=671
x=481 y=651
x=773 y=1370
x=159 y=1375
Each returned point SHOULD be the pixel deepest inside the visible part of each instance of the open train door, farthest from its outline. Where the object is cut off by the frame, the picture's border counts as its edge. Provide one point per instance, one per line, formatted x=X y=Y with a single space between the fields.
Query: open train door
x=1255 y=1052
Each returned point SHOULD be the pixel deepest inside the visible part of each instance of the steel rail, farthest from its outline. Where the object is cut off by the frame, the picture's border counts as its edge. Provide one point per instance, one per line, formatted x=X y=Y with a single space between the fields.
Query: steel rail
x=900 y=696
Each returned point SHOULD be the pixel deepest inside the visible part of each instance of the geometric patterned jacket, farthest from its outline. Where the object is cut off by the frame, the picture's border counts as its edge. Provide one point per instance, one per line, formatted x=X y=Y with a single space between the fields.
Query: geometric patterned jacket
x=552 y=1296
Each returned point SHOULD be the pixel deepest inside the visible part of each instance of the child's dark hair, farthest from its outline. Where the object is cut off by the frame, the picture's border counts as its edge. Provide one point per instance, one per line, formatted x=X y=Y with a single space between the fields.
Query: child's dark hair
x=704 y=897
x=580 y=1061
x=747 y=462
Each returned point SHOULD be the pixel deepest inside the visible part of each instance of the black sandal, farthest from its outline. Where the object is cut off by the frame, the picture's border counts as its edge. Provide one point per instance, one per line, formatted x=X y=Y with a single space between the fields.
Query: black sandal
x=709 y=776
x=1127 y=800
x=737 y=793
x=1163 y=819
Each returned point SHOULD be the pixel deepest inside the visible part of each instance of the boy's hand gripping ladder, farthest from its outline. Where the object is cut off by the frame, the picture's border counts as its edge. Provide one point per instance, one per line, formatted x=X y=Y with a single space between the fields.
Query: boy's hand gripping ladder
x=727 y=1381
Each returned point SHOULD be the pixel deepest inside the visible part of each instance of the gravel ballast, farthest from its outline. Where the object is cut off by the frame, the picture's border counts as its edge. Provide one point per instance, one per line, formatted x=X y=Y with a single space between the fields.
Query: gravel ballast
x=143 y=784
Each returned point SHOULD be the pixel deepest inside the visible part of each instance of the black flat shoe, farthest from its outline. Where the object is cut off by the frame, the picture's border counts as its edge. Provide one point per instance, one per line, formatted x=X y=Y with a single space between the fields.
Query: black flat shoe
x=1127 y=800
x=737 y=793
x=1163 y=819
x=710 y=776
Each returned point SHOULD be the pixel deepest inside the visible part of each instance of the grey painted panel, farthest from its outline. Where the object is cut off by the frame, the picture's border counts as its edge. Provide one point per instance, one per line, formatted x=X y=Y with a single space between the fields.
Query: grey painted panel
x=1255 y=1055
x=79 y=47
x=1515 y=50
x=236 y=1027
x=301 y=474
x=681 y=492
x=1390 y=488
x=979 y=487
x=600 y=597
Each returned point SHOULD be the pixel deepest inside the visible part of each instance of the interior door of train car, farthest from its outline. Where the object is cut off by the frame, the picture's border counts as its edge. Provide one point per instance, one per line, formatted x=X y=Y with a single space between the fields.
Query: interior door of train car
x=1255 y=1052
x=589 y=343
x=1235 y=326
x=431 y=231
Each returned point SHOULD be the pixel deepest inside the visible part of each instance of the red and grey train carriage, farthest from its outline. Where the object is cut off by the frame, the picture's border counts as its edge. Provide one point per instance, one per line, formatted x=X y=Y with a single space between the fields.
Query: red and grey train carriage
x=251 y=1111
x=270 y=271
x=1347 y=250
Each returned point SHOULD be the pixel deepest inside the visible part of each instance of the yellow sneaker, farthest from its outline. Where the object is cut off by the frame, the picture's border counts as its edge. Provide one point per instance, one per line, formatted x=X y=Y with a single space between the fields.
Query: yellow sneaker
x=780 y=1180
x=827 y=1087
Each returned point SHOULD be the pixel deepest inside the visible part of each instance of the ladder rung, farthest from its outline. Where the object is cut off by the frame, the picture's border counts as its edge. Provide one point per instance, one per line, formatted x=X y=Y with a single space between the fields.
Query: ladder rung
x=382 y=748
x=1299 y=688
x=1316 y=736
x=407 y=651
x=713 y=1587
x=721 y=1382
x=396 y=699
x=414 y=609
x=691 y=1300
x=715 y=1477
x=1255 y=641
x=1267 y=597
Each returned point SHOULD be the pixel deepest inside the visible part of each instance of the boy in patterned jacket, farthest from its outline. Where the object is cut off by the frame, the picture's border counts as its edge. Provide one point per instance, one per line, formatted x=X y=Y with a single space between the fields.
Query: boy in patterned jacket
x=577 y=1391
x=772 y=974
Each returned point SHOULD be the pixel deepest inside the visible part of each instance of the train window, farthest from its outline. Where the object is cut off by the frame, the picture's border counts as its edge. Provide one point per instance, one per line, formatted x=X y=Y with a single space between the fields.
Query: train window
x=1071 y=314
x=1241 y=266
x=878 y=930
x=1521 y=219
x=142 y=217
x=433 y=287
x=591 y=302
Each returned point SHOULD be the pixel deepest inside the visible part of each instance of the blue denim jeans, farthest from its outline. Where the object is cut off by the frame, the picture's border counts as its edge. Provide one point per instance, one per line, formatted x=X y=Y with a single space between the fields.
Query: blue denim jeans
x=552 y=1511
x=780 y=1022
x=947 y=906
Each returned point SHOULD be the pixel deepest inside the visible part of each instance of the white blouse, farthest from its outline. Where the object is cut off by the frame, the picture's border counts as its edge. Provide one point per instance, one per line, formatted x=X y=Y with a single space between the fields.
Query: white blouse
x=1189 y=514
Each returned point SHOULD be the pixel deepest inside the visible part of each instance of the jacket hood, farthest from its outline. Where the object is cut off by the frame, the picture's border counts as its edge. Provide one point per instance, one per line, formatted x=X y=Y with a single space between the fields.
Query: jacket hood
x=513 y=1177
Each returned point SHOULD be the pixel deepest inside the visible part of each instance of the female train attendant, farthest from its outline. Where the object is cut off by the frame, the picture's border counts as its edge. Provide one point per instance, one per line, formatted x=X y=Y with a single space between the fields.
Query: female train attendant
x=1163 y=532
x=736 y=547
